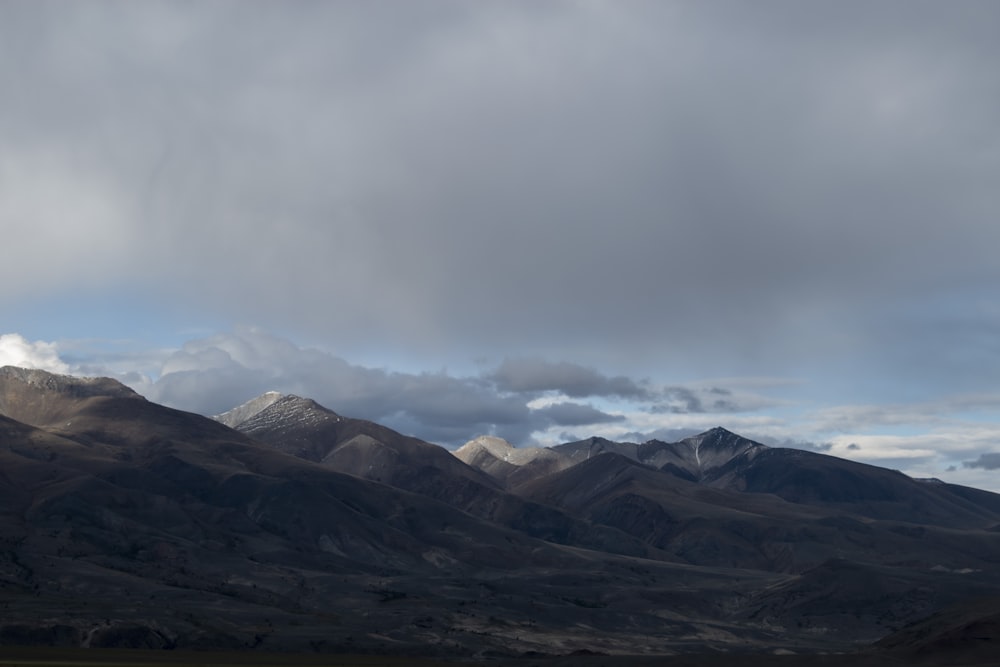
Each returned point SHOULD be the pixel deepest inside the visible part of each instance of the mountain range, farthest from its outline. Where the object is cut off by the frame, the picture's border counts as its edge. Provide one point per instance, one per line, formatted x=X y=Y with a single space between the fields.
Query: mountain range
x=283 y=525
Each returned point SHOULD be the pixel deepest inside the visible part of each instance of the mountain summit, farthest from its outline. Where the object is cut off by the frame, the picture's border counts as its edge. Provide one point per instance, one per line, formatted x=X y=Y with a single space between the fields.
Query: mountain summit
x=698 y=457
x=241 y=413
x=302 y=422
x=41 y=398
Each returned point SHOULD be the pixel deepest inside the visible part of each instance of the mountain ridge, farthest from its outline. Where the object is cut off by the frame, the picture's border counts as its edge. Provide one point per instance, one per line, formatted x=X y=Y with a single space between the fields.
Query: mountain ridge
x=124 y=522
x=365 y=449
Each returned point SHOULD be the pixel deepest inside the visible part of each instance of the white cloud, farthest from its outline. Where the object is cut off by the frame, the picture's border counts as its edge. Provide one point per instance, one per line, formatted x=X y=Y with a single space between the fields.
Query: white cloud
x=16 y=350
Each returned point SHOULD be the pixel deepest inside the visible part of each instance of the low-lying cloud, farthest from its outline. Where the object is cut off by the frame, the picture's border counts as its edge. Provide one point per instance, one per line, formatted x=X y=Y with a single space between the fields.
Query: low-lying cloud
x=519 y=399
x=214 y=374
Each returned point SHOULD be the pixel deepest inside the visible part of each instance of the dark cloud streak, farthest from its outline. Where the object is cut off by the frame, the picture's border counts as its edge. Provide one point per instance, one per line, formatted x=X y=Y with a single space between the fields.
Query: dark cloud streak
x=574 y=380
x=575 y=414
x=989 y=461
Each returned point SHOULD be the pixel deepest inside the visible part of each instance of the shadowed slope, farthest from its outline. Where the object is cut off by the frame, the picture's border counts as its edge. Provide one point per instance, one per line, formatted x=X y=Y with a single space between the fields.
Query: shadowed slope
x=886 y=573
x=700 y=456
x=809 y=478
x=112 y=450
x=706 y=525
x=365 y=449
x=964 y=633
x=582 y=450
x=306 y=429
x=510 y=465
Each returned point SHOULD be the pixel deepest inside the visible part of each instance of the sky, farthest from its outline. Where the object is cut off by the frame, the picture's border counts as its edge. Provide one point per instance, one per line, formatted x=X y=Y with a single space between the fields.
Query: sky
x=538 y=220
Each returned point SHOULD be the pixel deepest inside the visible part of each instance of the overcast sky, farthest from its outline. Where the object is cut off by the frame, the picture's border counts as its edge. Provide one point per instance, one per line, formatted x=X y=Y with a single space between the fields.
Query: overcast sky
x=543 y=220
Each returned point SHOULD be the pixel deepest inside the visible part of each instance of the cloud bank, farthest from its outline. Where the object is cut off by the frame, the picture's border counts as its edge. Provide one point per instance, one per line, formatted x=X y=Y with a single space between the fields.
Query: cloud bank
x=214 y=374
x=989 y=461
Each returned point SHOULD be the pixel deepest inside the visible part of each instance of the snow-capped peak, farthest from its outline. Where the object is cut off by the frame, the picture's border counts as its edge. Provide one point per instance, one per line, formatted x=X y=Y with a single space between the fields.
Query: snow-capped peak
x=241 y=413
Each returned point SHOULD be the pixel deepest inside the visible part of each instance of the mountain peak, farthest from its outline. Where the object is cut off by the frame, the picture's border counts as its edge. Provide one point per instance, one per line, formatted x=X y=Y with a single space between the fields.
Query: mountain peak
x=502 y=450
x=236 y=416
x=74 y=385
x=508 y=464
x=697 y=456
x=38 y=397
x=719 y=437
x=273 y=408
x=497 y=447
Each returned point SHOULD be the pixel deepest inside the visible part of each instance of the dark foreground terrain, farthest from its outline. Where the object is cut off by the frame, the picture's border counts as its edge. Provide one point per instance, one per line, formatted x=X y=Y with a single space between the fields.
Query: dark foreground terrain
x=285 y=529
x=49 y=657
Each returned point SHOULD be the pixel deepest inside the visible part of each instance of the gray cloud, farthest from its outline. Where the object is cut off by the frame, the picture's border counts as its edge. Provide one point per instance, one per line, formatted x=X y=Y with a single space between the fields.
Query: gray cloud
x=681 y=400
x=684 y=400
x=213 y=374
x=575 y=414
x=695 y=184
x=537 y=375
x=989 y=461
